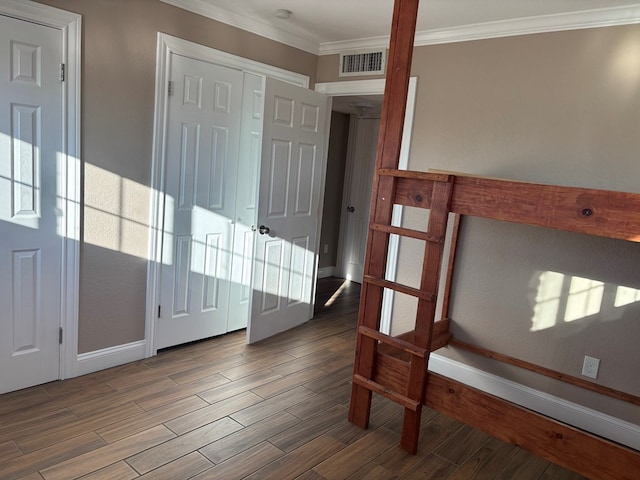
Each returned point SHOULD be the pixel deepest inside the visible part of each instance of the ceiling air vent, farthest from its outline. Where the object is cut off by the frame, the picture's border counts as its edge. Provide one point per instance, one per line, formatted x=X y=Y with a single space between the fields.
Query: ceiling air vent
x=362 y=63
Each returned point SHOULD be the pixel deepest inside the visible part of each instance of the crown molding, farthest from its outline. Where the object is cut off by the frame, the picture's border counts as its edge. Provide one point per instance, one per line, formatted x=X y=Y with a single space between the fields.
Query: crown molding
x=602 y=17
x=246 y=23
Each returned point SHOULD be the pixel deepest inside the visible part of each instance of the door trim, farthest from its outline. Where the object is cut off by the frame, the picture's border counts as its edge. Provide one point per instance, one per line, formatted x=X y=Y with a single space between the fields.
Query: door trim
x=376 y=87
x=166 y=46
x=69 y=165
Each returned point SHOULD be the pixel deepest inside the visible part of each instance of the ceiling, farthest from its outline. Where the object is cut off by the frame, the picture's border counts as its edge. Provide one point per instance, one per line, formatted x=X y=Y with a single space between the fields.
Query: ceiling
x=368 y=106
x=330 y=26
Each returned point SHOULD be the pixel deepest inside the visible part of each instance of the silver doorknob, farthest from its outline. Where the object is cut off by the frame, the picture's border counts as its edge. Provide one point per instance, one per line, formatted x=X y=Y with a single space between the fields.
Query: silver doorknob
x=263 y=230
x=351 y=209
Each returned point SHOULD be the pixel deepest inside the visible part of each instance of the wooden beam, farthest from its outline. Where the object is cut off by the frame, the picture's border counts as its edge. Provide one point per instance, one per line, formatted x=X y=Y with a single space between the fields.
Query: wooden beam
x=594 y=212
x=604 y=213
x=446 y=296
x=577 y=450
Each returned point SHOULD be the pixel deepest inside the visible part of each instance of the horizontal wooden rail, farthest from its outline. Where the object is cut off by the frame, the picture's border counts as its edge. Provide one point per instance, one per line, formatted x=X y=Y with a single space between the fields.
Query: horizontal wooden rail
x=579 y=382
x=605 y=213
x=406 y=402
x=407 y=232
x=393 y=341
x=422 y=176
x=397 y=287
x=595 y=212
x=569 y=447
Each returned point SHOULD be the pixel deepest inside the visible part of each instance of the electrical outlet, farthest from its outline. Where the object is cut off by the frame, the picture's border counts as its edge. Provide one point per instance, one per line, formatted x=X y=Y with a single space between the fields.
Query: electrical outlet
x=326 y=248
x=590 y=367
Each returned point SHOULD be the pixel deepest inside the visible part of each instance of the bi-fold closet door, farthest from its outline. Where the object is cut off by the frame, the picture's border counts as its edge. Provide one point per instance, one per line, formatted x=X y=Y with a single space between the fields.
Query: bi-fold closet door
x=213 y=147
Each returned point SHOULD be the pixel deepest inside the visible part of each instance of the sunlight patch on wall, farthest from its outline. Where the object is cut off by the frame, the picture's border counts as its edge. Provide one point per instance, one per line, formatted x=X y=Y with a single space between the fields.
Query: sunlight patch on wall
x=116 y=212
x=584 y=299
x=562 y=299
x=626 y=296
x=545 y=311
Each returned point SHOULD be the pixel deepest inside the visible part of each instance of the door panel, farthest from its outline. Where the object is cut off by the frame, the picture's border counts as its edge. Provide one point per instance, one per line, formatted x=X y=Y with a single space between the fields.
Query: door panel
x=30 y=238
x=203 y=131
x=293 y=166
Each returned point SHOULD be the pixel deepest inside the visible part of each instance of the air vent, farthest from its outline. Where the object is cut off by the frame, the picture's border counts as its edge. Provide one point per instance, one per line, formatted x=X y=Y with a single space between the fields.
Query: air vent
x=362 y=63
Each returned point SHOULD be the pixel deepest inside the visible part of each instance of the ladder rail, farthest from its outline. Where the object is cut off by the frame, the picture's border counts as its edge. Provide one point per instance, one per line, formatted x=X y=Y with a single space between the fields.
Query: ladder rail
x=370 y=373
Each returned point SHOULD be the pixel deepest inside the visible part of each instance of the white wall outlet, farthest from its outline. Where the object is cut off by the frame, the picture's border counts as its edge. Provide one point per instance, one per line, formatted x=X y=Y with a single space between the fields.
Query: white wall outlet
x=590 y=367
x=326 y=248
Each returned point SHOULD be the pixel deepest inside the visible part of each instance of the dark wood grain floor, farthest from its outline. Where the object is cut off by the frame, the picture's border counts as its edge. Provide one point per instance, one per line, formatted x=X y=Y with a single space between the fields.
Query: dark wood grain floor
x=220 y=409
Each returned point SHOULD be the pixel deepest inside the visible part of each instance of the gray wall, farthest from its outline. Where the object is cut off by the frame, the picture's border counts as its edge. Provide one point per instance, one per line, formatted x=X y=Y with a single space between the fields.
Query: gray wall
x=560 y=108
x=118 y=81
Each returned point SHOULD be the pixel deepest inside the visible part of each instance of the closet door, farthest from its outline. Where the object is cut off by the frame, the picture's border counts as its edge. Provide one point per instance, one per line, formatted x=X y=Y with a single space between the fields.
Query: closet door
x=31 y=192
x=246 y=201
x=293 y=168
x=203 y=128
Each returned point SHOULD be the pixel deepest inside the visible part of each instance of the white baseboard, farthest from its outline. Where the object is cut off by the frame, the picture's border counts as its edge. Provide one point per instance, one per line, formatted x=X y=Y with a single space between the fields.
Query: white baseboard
x=110 y=357
x=326 y=272
x=567 y=412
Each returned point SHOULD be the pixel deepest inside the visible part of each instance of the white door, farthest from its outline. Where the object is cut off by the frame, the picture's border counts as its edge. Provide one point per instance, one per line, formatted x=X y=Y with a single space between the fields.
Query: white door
x=359 y=181
x=246 y=201
x=203 y=128
x=31 y=134
x=289 y=208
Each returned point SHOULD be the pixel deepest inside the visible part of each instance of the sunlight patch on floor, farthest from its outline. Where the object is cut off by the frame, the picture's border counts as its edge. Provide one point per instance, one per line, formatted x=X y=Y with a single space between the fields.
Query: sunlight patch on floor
x=336 y=294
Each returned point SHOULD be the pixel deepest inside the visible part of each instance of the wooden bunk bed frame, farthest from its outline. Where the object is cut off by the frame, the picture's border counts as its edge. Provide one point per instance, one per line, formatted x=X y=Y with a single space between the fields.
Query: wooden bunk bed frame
x=396 y=367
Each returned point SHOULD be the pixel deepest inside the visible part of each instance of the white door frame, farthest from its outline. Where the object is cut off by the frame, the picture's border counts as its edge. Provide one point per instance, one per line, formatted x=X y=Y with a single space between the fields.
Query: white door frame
x=166 y=46
x=376 y=87
x=70 y=24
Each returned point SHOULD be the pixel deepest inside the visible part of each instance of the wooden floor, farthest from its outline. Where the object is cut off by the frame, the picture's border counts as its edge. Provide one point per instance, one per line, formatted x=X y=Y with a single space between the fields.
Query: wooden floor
x=220 y=409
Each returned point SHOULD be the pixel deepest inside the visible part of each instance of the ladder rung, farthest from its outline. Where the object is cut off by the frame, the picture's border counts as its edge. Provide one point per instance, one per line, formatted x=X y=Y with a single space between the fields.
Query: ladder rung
x=435 y=177
x=385 y=392
x=394 y=342
x=407 y=232
x=397 y=287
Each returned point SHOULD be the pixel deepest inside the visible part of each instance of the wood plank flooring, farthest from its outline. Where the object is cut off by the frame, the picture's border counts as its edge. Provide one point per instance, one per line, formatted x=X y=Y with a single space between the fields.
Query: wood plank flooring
x=220 y=409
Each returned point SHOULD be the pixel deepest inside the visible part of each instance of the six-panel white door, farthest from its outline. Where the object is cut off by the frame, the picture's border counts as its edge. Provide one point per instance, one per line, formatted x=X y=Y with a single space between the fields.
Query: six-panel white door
x=289 y=208
x=203 y=129
x=30 y=235
x=359 y=181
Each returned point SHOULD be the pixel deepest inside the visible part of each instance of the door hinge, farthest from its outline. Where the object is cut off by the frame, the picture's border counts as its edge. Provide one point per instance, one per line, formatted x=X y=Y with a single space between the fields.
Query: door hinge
x=170 y=88
x=62 y=72
x=159 y=310
x=60 y=335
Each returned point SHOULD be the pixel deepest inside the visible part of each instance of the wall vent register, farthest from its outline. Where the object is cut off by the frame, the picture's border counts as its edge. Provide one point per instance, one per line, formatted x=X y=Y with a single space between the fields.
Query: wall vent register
x=362 y=63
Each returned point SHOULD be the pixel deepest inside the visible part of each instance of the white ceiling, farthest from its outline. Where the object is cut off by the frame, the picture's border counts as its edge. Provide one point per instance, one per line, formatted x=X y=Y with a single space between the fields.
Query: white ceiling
x=329 y=26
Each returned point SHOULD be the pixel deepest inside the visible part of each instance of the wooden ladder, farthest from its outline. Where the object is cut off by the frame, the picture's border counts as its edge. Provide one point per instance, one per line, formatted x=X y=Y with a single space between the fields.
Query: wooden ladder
x=396 y=367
